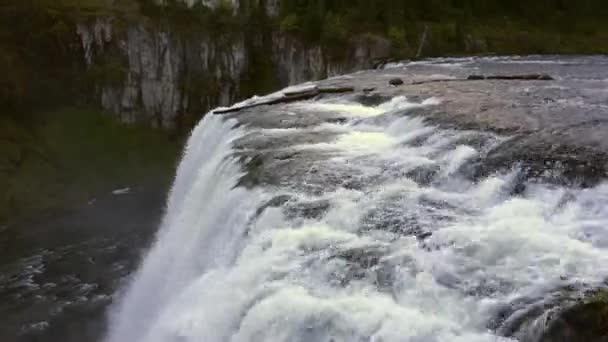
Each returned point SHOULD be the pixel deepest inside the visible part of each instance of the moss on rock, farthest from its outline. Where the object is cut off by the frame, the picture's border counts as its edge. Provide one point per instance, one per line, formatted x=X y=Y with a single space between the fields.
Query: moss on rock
x=586 y=321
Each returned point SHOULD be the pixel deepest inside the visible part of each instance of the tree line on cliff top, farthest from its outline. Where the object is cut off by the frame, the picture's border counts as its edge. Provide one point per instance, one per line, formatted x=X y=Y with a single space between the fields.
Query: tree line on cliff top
x=512 y=26
x=37 y=37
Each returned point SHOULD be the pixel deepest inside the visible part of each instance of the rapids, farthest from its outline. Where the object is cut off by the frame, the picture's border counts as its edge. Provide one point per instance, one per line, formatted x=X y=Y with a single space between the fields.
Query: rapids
x=367 y=228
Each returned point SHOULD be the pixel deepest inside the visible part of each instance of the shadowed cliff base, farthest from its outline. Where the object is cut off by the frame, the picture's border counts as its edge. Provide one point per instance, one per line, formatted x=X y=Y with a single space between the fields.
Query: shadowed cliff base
x=56 y=160
x=81 y=196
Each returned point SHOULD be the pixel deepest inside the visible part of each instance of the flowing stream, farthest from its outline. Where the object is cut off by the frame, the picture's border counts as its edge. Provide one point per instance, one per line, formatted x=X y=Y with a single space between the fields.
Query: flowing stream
x=369 y=228
x=398 y=214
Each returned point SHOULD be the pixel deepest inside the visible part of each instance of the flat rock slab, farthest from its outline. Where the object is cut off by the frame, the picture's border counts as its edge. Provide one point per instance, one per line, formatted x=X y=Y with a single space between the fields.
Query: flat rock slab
x=550 y=123
x=527 y=77
x=288 y=96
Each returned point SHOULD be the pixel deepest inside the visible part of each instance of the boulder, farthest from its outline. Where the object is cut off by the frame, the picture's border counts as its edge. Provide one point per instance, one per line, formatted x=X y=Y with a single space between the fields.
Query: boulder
x=395 y=81
x=586 y=321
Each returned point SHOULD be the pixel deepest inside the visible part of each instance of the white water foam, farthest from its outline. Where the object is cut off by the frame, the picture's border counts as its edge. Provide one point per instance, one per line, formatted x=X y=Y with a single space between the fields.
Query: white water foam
x=358 y=272
x=351 y=109
x=203 y=228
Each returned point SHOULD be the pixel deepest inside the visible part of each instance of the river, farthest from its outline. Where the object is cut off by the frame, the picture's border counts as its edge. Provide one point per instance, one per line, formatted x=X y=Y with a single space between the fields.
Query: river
x=442 y=210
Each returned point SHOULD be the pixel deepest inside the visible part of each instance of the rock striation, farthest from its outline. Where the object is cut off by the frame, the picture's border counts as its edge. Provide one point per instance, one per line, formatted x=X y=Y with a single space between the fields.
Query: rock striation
x=163 y=75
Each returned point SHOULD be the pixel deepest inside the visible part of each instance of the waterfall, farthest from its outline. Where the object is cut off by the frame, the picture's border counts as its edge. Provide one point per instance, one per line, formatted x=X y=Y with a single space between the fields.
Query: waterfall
x=202 y=230
x=370 y=229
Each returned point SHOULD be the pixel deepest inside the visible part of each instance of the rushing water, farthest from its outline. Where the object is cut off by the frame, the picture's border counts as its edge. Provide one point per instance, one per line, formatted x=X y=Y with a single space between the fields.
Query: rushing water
x=363 y=224
x=58 y=274
x=382 y=238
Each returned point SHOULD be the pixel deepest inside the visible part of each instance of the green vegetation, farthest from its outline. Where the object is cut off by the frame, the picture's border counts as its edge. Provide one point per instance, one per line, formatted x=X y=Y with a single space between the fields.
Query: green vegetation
x=456 y=26
x=178 y=18
x=586 y=321
x=68 y=157
x=43 y=65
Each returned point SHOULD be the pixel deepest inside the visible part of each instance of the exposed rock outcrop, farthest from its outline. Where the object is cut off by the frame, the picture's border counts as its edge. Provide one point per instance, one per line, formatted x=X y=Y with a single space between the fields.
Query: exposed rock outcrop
x=586 y=321
x=553 y=141
x=161 y=75
x=290 y=96
x=396 y=81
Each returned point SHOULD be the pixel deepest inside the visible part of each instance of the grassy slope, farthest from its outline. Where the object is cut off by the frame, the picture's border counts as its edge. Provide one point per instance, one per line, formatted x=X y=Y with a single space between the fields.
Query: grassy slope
x=67 y=157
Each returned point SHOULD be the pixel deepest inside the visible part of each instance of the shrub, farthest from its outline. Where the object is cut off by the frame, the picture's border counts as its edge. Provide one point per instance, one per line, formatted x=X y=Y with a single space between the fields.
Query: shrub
x=290 y=23
x=398 y=40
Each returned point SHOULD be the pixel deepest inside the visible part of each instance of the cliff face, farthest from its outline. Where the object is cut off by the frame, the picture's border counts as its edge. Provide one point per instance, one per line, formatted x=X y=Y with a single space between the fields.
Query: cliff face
x=157 y=70
x=167 y=62
x=163 y=76
x=297 y=63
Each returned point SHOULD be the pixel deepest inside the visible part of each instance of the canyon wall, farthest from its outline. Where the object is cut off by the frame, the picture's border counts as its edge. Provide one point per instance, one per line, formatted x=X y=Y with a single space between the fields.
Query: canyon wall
x=151 y=71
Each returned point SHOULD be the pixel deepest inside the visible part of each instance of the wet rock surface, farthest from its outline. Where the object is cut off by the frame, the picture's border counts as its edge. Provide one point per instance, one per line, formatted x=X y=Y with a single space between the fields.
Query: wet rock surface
x=550 y=123
x=395 y=82
x=572 y=314
x=585 y=321
x=528 y=77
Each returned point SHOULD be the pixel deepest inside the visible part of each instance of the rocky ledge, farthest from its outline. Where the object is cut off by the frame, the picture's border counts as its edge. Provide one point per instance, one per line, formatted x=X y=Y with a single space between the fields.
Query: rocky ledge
x=548 y=131
x=549 y=128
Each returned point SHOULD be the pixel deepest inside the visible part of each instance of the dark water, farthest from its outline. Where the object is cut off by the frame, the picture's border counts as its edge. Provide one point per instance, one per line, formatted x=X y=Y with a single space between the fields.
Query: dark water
x=58 y=273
